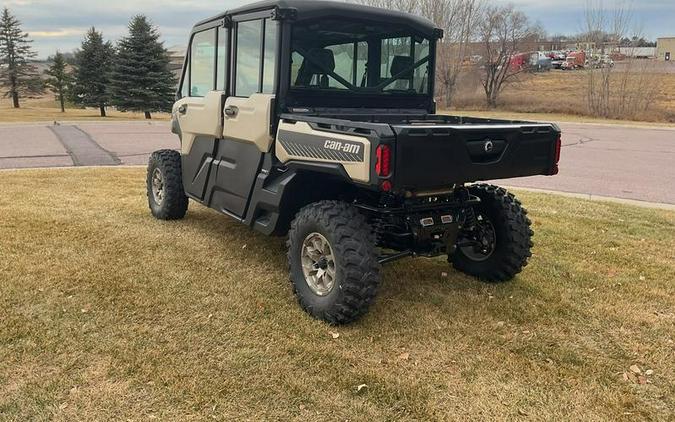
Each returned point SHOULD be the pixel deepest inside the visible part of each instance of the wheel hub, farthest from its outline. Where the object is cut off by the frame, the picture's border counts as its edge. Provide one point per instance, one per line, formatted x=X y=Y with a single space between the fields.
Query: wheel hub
x=158 y=186
x=318 y=264
x=483 y=240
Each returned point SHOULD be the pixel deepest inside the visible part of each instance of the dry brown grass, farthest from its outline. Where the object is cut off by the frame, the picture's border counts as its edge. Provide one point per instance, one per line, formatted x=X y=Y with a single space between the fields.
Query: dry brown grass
x=47 y=110
x=107 y=314
x=562 y=93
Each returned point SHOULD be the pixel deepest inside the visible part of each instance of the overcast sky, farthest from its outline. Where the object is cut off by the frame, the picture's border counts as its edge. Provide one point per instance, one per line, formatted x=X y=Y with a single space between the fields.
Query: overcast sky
x=60 y=24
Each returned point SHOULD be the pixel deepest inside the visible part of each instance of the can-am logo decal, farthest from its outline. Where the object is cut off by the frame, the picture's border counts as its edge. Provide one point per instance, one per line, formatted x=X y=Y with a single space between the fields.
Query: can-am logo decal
x=321 y=148
x=345 y=147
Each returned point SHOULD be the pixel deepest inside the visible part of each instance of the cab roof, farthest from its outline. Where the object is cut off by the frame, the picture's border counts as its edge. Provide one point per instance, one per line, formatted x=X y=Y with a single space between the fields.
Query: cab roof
x=303 y=10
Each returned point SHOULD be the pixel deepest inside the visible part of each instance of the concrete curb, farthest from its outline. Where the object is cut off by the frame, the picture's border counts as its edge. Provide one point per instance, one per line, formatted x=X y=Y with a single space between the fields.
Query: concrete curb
x=599 y=198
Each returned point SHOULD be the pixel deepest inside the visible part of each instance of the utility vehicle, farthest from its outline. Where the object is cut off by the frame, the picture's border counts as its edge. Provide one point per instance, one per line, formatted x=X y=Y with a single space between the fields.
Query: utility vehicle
x=316 y=121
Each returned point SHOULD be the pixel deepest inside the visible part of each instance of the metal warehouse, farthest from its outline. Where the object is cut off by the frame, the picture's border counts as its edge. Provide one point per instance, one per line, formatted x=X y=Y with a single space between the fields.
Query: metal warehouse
x=665 y=49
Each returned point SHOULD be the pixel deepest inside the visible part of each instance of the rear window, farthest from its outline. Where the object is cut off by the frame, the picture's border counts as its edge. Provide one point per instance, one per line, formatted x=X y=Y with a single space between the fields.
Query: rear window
x=336 y=56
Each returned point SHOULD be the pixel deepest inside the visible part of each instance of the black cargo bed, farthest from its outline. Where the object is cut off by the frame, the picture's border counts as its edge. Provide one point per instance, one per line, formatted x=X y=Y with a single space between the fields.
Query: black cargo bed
x=432 y=156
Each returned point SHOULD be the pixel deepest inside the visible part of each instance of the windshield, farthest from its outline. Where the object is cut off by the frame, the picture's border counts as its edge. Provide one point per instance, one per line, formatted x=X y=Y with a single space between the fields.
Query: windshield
x=362 y=58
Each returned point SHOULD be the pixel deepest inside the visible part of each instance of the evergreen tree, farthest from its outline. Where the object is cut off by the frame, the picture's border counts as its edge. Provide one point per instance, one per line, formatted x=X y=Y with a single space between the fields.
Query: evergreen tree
x=141 y=79
x=59 y=80
x=17 y=76
x=93 y=64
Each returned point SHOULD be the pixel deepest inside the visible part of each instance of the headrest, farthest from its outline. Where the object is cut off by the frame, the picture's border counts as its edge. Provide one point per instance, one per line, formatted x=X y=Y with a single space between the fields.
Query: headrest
x=323 y=56
x=401 y=63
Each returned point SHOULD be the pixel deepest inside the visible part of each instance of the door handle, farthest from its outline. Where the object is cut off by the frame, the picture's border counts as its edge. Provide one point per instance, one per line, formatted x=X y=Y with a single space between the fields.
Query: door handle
x=231 y=111
x=183 y=109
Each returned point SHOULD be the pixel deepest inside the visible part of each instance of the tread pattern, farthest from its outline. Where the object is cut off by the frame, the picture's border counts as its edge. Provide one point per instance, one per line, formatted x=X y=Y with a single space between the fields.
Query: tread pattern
x=175 y=204
x=353 y=244
x=514 y=243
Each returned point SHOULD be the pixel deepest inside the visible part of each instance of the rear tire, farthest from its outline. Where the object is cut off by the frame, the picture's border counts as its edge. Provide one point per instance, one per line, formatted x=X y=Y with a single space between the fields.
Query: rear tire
x=506 y=220
x=333 y=262
x=166 y=197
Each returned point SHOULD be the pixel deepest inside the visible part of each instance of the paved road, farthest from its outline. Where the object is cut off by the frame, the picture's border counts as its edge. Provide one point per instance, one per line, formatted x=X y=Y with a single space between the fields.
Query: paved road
x=611 y=161
x=82 y=144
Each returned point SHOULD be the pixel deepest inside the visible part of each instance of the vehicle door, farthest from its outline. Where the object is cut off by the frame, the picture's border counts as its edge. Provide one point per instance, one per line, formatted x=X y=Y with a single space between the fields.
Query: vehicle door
x=199 y=110
x=246 y=132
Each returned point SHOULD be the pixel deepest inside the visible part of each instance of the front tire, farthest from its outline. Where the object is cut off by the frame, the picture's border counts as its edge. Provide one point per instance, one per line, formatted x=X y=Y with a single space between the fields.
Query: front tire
x=333 y=262
x=499 y=246
x=166 y=197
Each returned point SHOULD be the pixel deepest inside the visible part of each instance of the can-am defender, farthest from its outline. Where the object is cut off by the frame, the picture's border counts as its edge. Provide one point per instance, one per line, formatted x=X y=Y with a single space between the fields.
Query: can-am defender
x=316 y=121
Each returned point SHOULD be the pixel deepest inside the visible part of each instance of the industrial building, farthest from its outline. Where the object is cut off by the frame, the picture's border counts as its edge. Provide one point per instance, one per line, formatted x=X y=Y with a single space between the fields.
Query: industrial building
x=665 y=49
x=638 y=52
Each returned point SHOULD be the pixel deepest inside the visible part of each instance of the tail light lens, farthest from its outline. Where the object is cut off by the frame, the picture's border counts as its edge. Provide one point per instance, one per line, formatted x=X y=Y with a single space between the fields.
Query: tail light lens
x=558 y=147
x=383 y=164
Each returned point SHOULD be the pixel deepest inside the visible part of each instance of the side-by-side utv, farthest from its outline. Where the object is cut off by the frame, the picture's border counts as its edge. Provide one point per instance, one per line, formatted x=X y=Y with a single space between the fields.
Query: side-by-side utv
x=316 y=121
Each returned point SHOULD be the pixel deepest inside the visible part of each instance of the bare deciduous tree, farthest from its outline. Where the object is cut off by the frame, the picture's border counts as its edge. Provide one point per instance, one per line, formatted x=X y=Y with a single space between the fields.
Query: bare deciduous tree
x=408 y=6
x=459 y=19
x=611 y=92
x=501 y=31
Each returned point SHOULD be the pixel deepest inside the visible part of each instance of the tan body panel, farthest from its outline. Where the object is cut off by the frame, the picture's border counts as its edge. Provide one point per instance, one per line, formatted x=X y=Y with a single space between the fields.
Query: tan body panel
x=202 y=117
x=357 y=170
x=252 y=121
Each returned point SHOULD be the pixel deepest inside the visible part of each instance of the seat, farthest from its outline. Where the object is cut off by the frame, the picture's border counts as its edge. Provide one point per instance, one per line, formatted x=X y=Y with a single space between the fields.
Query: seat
x=309 y=69
x=398 y=65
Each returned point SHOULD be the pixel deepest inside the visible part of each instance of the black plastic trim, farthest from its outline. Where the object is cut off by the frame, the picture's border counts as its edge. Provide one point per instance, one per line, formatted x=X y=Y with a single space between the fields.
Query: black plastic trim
x=325 y=168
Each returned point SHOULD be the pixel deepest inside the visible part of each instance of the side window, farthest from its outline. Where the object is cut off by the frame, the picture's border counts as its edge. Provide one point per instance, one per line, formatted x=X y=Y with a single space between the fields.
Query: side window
x=343 y=57
x=270 y=62
x=248 y=58
x=296 y=64
x=421 y=78
x=399 y=54
x=202 y=63
x=361 y=64
x=185 y=87
x=350 y=63
x=396 y=55
x=223 y=57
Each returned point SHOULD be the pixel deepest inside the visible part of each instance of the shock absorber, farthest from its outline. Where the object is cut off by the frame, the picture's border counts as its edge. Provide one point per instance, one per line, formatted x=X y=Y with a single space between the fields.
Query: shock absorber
x=378 y=228
x=379 y=221
x=469 y=218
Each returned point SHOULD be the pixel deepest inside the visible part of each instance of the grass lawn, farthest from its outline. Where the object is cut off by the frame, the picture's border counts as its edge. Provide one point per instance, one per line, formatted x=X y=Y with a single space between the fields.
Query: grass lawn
x=107 y=314
x=46 y=110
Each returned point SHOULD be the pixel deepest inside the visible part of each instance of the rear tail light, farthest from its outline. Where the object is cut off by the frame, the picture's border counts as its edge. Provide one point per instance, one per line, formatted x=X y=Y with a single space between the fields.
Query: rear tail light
x=558 y=147
x=383 y=165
